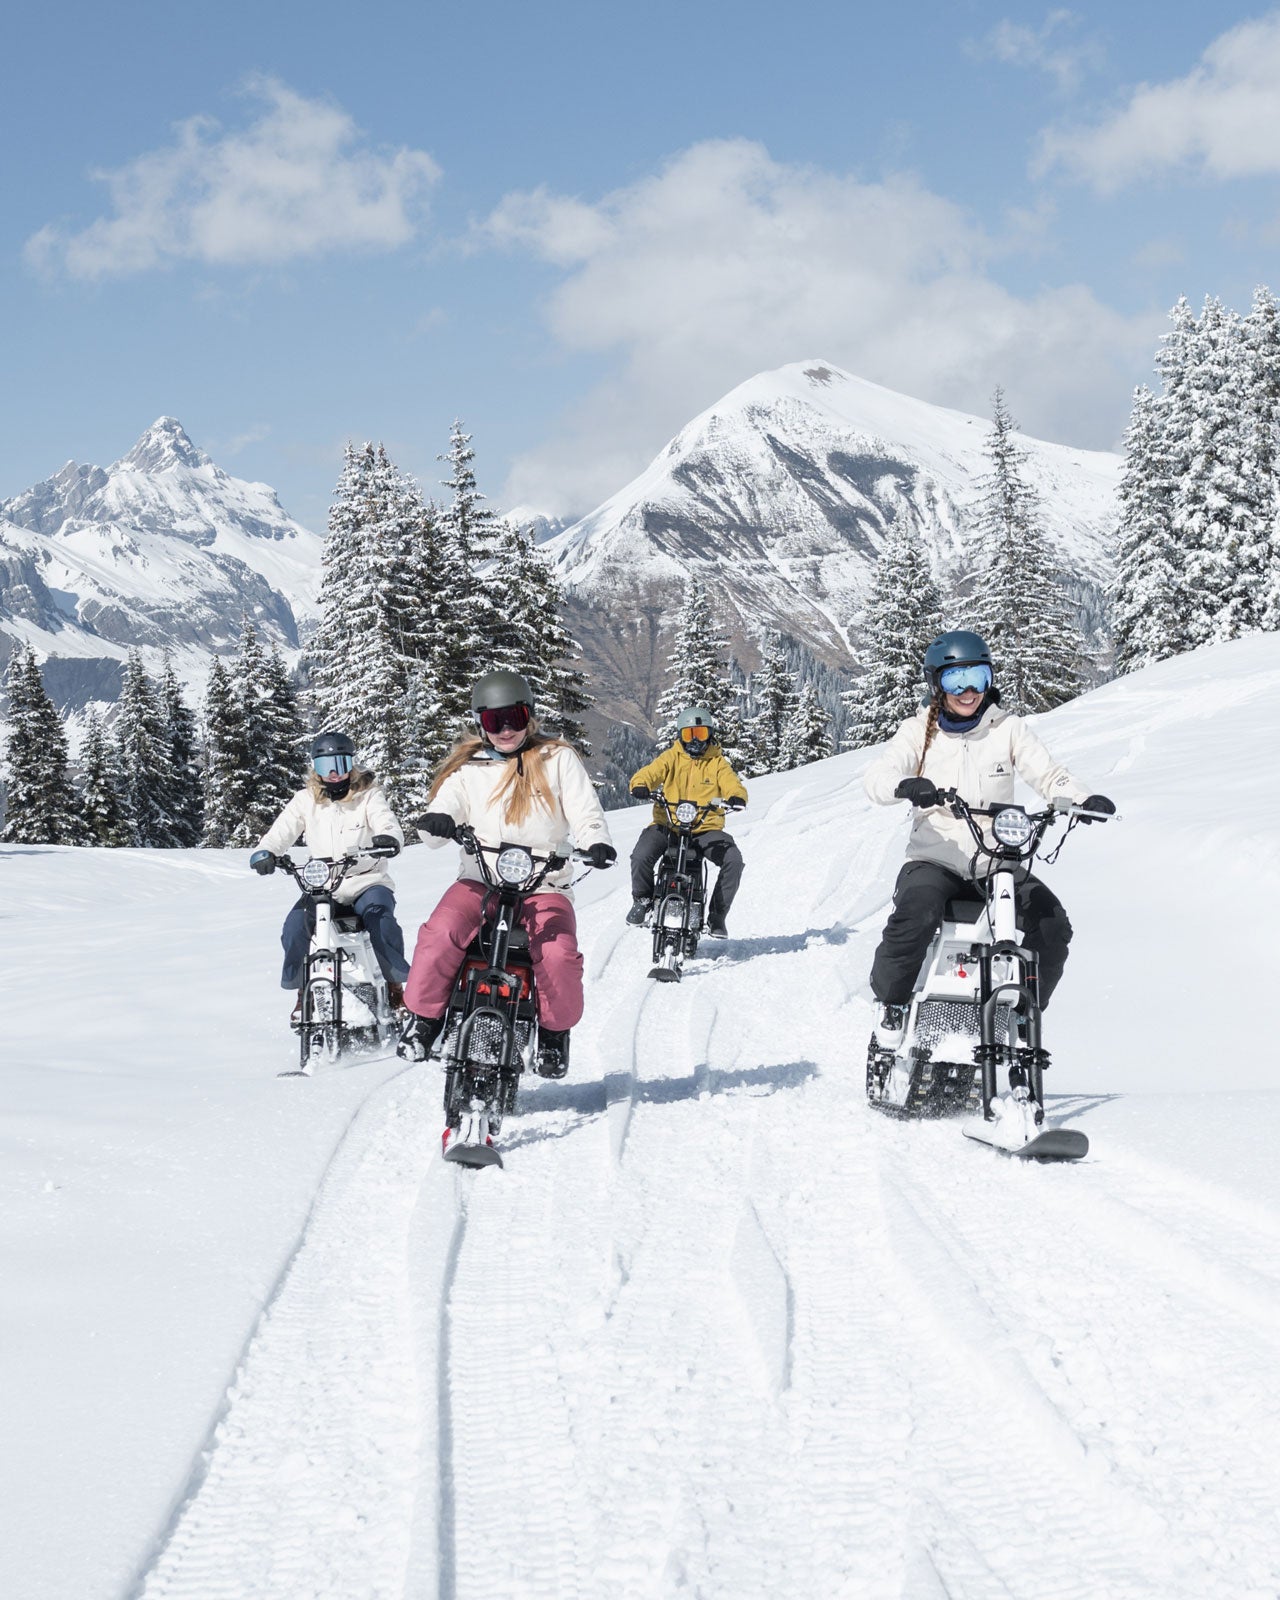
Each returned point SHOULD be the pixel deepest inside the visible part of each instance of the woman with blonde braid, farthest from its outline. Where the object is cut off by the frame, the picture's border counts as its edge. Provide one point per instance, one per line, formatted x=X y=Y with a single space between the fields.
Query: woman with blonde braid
x=960 y=740
x=512 y=785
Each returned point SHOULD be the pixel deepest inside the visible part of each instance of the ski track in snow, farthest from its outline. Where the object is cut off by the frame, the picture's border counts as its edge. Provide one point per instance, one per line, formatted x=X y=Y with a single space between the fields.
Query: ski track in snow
x=720 y=1331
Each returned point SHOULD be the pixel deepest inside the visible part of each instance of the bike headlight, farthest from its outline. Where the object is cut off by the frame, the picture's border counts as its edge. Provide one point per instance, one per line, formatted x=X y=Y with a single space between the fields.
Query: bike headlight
x=315 y=873
x=1012 y=826
x=686 y=811
x=514 y=864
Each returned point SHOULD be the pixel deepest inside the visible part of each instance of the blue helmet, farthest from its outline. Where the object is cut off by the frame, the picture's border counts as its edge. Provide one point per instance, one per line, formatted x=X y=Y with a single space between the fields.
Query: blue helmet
x=959 y=648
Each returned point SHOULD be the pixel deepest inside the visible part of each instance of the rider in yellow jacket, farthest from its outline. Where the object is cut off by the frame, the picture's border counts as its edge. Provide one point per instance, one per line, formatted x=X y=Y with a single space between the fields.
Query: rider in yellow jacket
x=694 y=768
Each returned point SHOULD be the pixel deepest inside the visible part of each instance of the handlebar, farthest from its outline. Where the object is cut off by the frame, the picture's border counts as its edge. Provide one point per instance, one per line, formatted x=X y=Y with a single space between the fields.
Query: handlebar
x=474 y=846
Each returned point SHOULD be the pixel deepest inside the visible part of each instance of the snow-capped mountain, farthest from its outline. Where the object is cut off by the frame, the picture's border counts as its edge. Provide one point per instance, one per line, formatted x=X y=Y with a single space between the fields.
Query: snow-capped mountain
x=163 y=548
x=779 y=496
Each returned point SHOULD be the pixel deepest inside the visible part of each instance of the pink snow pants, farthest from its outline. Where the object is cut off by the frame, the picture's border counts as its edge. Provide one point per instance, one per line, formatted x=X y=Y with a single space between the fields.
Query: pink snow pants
x=553 y=947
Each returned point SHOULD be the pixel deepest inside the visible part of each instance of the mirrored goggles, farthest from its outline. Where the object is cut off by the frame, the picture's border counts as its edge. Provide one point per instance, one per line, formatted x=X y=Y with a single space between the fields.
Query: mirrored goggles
x=698 y=734
x=333 y=766
x=955 y=680
x=504 y=719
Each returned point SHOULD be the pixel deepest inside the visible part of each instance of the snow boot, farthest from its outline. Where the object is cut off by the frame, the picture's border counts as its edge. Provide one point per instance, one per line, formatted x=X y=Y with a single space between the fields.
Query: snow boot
x=891 y=1027
x=553 y=1052
x=395 y=995
x=639 y=911
x=417 y=1036
x=716 y=928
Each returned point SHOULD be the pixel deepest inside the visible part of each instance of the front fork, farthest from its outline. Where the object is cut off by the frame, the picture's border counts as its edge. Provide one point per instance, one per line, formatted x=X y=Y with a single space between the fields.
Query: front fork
x=323 y=954
x=1026 y=1062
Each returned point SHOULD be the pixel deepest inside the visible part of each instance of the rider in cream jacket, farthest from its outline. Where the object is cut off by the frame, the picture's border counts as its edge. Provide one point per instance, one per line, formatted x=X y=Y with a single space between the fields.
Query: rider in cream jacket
x=980 y=763
x=470 y=795
x=337 y=828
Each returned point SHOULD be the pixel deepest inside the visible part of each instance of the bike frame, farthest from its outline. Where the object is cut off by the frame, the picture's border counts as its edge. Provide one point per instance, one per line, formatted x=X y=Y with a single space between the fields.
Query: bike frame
x=681 y=893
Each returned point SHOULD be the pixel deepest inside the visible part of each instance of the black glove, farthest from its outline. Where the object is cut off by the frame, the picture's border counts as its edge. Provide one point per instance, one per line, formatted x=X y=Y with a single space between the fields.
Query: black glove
x=920 y=791
x=736 y=804
x=263 y=861
x=385 y=845
x=1097 y=802
x=439 y=824
x=641 y=793
x=601 y=855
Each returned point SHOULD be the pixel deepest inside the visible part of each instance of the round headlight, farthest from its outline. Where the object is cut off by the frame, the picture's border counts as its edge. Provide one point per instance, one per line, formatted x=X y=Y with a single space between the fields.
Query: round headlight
x=315 y=874
x=514 y=864
x=686 y=811
x=1011 y=826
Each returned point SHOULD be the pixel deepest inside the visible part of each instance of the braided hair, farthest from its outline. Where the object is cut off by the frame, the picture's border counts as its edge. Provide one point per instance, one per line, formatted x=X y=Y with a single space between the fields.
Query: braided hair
x=930 y=728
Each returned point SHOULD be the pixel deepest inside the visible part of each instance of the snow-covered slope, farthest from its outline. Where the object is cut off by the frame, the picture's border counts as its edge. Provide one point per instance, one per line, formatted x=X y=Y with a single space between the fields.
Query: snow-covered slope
x=162 y=548
x=781 y=492
x=717 y=1329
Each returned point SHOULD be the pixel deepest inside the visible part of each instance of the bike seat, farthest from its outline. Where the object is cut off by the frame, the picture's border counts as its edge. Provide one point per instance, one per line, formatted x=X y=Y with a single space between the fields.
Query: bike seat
x=963 y=908
x=349 y=922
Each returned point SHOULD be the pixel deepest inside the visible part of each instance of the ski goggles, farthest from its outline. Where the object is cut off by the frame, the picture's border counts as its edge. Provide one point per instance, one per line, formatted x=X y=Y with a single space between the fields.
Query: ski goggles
x=504 y=719
x=955 y=680
x=698 y=734
x=333 y=766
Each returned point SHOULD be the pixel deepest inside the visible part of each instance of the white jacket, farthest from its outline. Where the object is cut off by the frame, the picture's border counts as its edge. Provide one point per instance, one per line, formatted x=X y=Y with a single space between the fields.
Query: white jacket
x=338 y=828
x=979 y=764
x=467 y=795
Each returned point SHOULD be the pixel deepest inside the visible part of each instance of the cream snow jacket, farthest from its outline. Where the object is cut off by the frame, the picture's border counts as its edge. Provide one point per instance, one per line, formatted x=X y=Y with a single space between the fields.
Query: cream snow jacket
x=338 y=828
x=468 y=796
x=979 y=764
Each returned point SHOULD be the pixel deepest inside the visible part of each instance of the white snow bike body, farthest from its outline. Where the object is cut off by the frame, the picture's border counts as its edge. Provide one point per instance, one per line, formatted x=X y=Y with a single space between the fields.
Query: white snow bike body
x=976 y=1007
x=345 y=1004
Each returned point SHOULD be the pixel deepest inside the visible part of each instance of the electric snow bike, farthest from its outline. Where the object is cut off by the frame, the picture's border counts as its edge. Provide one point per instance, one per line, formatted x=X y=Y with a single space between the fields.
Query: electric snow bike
x=681 y=889
x=490 y=1031
x=976 y=1009
x=344 y=994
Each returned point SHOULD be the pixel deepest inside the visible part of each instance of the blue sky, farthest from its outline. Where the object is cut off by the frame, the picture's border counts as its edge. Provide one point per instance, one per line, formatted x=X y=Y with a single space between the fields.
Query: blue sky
x=574 y=225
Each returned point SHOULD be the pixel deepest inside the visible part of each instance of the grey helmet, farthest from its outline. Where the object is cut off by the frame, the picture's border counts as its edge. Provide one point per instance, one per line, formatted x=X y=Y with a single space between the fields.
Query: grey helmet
x=502 y=689
x=695 y=717
x=502 y=701
x=333 y=760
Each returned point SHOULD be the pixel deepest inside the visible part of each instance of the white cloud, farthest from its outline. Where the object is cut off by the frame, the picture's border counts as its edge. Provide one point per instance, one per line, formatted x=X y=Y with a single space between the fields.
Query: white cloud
x=727 y=262
x=1044 y=48
x=1223 y=118
x=296 y=182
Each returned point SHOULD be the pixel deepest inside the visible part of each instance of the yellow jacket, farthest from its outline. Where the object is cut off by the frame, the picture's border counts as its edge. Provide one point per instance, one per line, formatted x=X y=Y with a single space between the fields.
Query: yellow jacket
x=698 y=778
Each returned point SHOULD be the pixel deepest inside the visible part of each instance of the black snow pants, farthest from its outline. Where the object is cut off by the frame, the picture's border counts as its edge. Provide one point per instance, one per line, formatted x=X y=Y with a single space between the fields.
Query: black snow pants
x=714 y=844
x=919 y=898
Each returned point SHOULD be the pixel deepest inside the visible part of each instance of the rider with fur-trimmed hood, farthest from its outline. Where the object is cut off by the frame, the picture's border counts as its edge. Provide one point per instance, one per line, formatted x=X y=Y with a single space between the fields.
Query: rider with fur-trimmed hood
x=342 y=811
x=694 y=768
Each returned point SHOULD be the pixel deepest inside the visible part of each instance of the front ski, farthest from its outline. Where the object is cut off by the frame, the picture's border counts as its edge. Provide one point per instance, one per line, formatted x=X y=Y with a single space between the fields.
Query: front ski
x=295 y=1072
x=472 y=1147
x=1051 y=1144
x=665 y=974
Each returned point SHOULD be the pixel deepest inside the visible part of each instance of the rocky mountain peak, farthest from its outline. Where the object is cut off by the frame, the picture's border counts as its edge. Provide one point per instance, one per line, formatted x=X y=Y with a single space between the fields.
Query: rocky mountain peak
x=164 y=444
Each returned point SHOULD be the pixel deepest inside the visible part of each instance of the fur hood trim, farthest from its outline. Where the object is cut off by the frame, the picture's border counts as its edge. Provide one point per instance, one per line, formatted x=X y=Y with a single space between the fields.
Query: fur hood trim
x=361 y=779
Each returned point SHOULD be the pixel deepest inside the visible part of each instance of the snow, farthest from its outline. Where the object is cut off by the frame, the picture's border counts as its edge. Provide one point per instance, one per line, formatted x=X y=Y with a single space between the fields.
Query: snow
x=717 y=1329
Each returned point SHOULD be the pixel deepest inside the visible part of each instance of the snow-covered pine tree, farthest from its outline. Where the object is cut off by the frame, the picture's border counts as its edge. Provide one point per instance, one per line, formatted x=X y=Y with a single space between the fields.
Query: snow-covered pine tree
x=99 y=802
x=532 y=637
x=1262 y=344
x=284 y=756
x=1149 y=601
x=773 y=696
x=472 y=529
x=808 y=734
x=1218 y=513
x=1019 y=605
x=143 y=760
x=41 y=806
x=341 y=564
x=225 y=757
x=184 y=800
x=698 y=672
x=901 y=617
